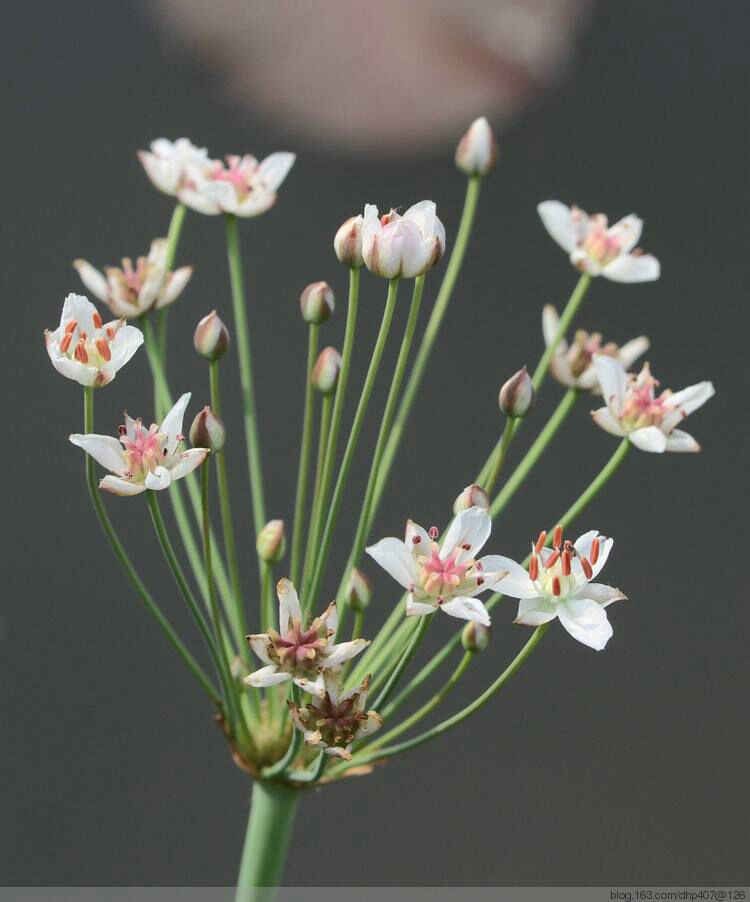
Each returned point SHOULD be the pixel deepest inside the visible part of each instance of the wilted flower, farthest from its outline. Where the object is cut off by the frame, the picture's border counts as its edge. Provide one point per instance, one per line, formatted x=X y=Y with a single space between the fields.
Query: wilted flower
x=317 y=303
x=348 y=243
x=517 y=395
x=446 y=576
x=167 y=161
x=211 y=337
x=596 y=248
x=476 y=153
x=404 y=246
x=241 y=186
x=131 y=291
x=558 y=584
x=636 y=411
x=336 y=721
x=325 y=373
x=271 y=542
x=574 y=366
x=297 y=652
x=472 y=496
x=143 y=458
x=87 y=350
x=207 y=431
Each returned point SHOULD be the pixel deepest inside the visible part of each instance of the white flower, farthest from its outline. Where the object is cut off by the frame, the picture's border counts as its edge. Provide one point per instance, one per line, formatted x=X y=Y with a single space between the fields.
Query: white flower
x=241 y=186
x=597 y=249
x=167 y=161
x=336 y=721
x=446 y=576
x=297 y=652
x=558 y=584
x=87 y=350
x=132 y=291
x=404 y=246
x=636 y=411
x=476 y=153
x=143 y=458
x=573 y=366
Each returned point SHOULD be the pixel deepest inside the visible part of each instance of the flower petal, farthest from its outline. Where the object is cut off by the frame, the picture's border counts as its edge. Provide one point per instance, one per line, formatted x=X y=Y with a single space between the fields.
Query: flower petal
x=550 y=325
x=105 y=450
x=601 y=594
x=175 y=285
x=266 y=676
x=92 y=279
x=515 y=583
x=692 y=397
x=603 y=418
x=159 y=479
x=289 y=606
x=394 y=557
x=583 y=545
x=627 y=232
x=632 y=350
x=586 y=621
x=467 y=609
x=259 y=644
x=418 y=608
x=633 y=268
x=468 y=532
x=343 y=651
x=171 y=425
x=119 y=486
x=557 y=219
x=535 y=611
x=613 y=381
x=682 y=442
x=650 y=438
x=187 y=462
x=275 y=168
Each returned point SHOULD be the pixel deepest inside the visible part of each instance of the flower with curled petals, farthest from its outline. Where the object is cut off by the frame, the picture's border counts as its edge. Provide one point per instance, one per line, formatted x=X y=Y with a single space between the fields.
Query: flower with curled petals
x=395 y=246
x=143 y=458
x=597 y=248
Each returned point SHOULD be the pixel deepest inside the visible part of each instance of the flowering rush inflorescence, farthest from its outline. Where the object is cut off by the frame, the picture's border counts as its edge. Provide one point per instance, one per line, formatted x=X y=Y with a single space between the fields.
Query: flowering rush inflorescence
x=292 y=690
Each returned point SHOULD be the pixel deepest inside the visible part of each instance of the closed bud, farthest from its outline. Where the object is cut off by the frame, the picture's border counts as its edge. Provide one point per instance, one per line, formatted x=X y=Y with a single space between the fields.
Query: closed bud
x=358 y=590
x=325 y=374
x=475 y=637
x=271 y=542
x=348 y=243
x=317 y=303
x=211 y=338
x=472 y=496
x=517 y=395
x=476 y=153
x=208 y=431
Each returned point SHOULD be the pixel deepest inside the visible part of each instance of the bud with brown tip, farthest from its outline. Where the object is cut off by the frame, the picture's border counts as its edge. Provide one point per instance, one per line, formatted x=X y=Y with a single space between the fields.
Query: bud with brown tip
x=475 y=637
x=317 y=303
x=211 y=338
x=358 y=590
x=472 y=496
x=476 y=153
x=325 y=373
x=208 y=431
x=348 y=243
x=517 y=395
x=271 y=542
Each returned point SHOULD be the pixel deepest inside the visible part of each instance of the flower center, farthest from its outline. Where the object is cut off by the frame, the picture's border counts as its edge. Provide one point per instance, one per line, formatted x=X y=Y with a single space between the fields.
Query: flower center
x=237 y=173
x=642 y=406
x=90 y=350
x=298 y=648
x=554 y=578
x=442 y=576
x=144 y=452
x=600 y=244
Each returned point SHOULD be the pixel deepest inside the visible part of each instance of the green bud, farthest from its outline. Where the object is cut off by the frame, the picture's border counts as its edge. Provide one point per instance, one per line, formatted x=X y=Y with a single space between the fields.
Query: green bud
x=317 y=303
x=358 y=590
x=211 y=338
x=271 y=543
x=208 y=431
x=475 y=637
x=325 y=374
x=517 y=395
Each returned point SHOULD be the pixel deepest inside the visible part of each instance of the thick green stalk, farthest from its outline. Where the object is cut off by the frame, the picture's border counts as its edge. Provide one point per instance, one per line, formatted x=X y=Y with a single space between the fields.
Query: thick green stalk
x=304 y=457
x=119 y=551
x=242 y=340
x=269 y=830
x=351 y=445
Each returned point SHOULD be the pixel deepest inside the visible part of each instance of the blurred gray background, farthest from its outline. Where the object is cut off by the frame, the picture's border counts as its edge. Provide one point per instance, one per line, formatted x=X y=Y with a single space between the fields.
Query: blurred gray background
x=627 y=766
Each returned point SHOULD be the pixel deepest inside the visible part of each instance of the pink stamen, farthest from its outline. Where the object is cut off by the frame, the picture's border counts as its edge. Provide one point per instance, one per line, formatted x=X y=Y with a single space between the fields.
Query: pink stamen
x=594 y=551
x=540 y=541
x=534 y=568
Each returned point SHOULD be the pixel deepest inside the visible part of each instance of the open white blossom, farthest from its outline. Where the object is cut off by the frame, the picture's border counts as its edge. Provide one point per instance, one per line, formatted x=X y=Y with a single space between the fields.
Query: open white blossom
x=558 y=584
x=143 y=458
x=86 y=349
x=635 y=410
x=297 y=652
x=573 y=365
x=597 y=248
x=131 y=291
x=404 y=246
x=446 y=576
x=167 y=161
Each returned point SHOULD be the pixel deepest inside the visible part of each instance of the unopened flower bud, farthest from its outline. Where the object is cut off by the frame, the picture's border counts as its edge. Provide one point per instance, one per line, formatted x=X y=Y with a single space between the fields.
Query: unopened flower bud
x=517 y=395
x=475 y=637
x=211 y=338
x=271 y=542
x=358 y=590
x=325 y=373
x=472 y=496
x=317 y=303
x=208 y=431
x=348 y=243
x=476 y=153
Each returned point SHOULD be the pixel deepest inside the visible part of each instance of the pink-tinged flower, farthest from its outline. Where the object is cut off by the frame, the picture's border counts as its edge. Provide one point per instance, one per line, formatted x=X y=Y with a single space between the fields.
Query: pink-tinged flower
x=143 y=458
x=167 y=161
x=87 y=350
x=402 y=246
x=596 y=248
x=131 y=291
x=241 y=185
x=558 y=584
x=446 y=576
x=298 y=652
x=573 y=366
x=476 y=153
x=635 y=410
x=335 y=721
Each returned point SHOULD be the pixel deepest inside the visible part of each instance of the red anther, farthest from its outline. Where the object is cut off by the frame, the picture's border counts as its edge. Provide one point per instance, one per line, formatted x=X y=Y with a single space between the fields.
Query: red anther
x=466 y=546
x=71 y=327
x=102 y=346
x=568 y=546
x=440 y=600
x=109 y=332
x=479 y=566
x=557 y=537
x=556 y=588
x=97 y=320
x=534 y=568
x=552 y=559
x=81 y=355
x=566 y=563
x=122 y=430
x=540 y=541
x=65 y=343
x=415 y=540
x=433 y=532
x=594 y=551
x=586 y=567
x=480 y=580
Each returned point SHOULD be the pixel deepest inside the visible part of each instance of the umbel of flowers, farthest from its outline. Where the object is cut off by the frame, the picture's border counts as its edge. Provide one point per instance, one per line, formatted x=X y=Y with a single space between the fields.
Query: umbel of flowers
x=318 y=682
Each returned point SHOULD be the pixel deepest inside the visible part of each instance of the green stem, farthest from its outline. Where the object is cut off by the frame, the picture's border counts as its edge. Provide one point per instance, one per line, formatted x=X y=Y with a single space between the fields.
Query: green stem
x=304 y=456
x=351 y=445
x=568 y=314
x=119 y=551
x=313 y=774
x=242 y=329
x=269 y=830
x=502 y=449
x=295 y=742
x=404 y=662
x=173 y=239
